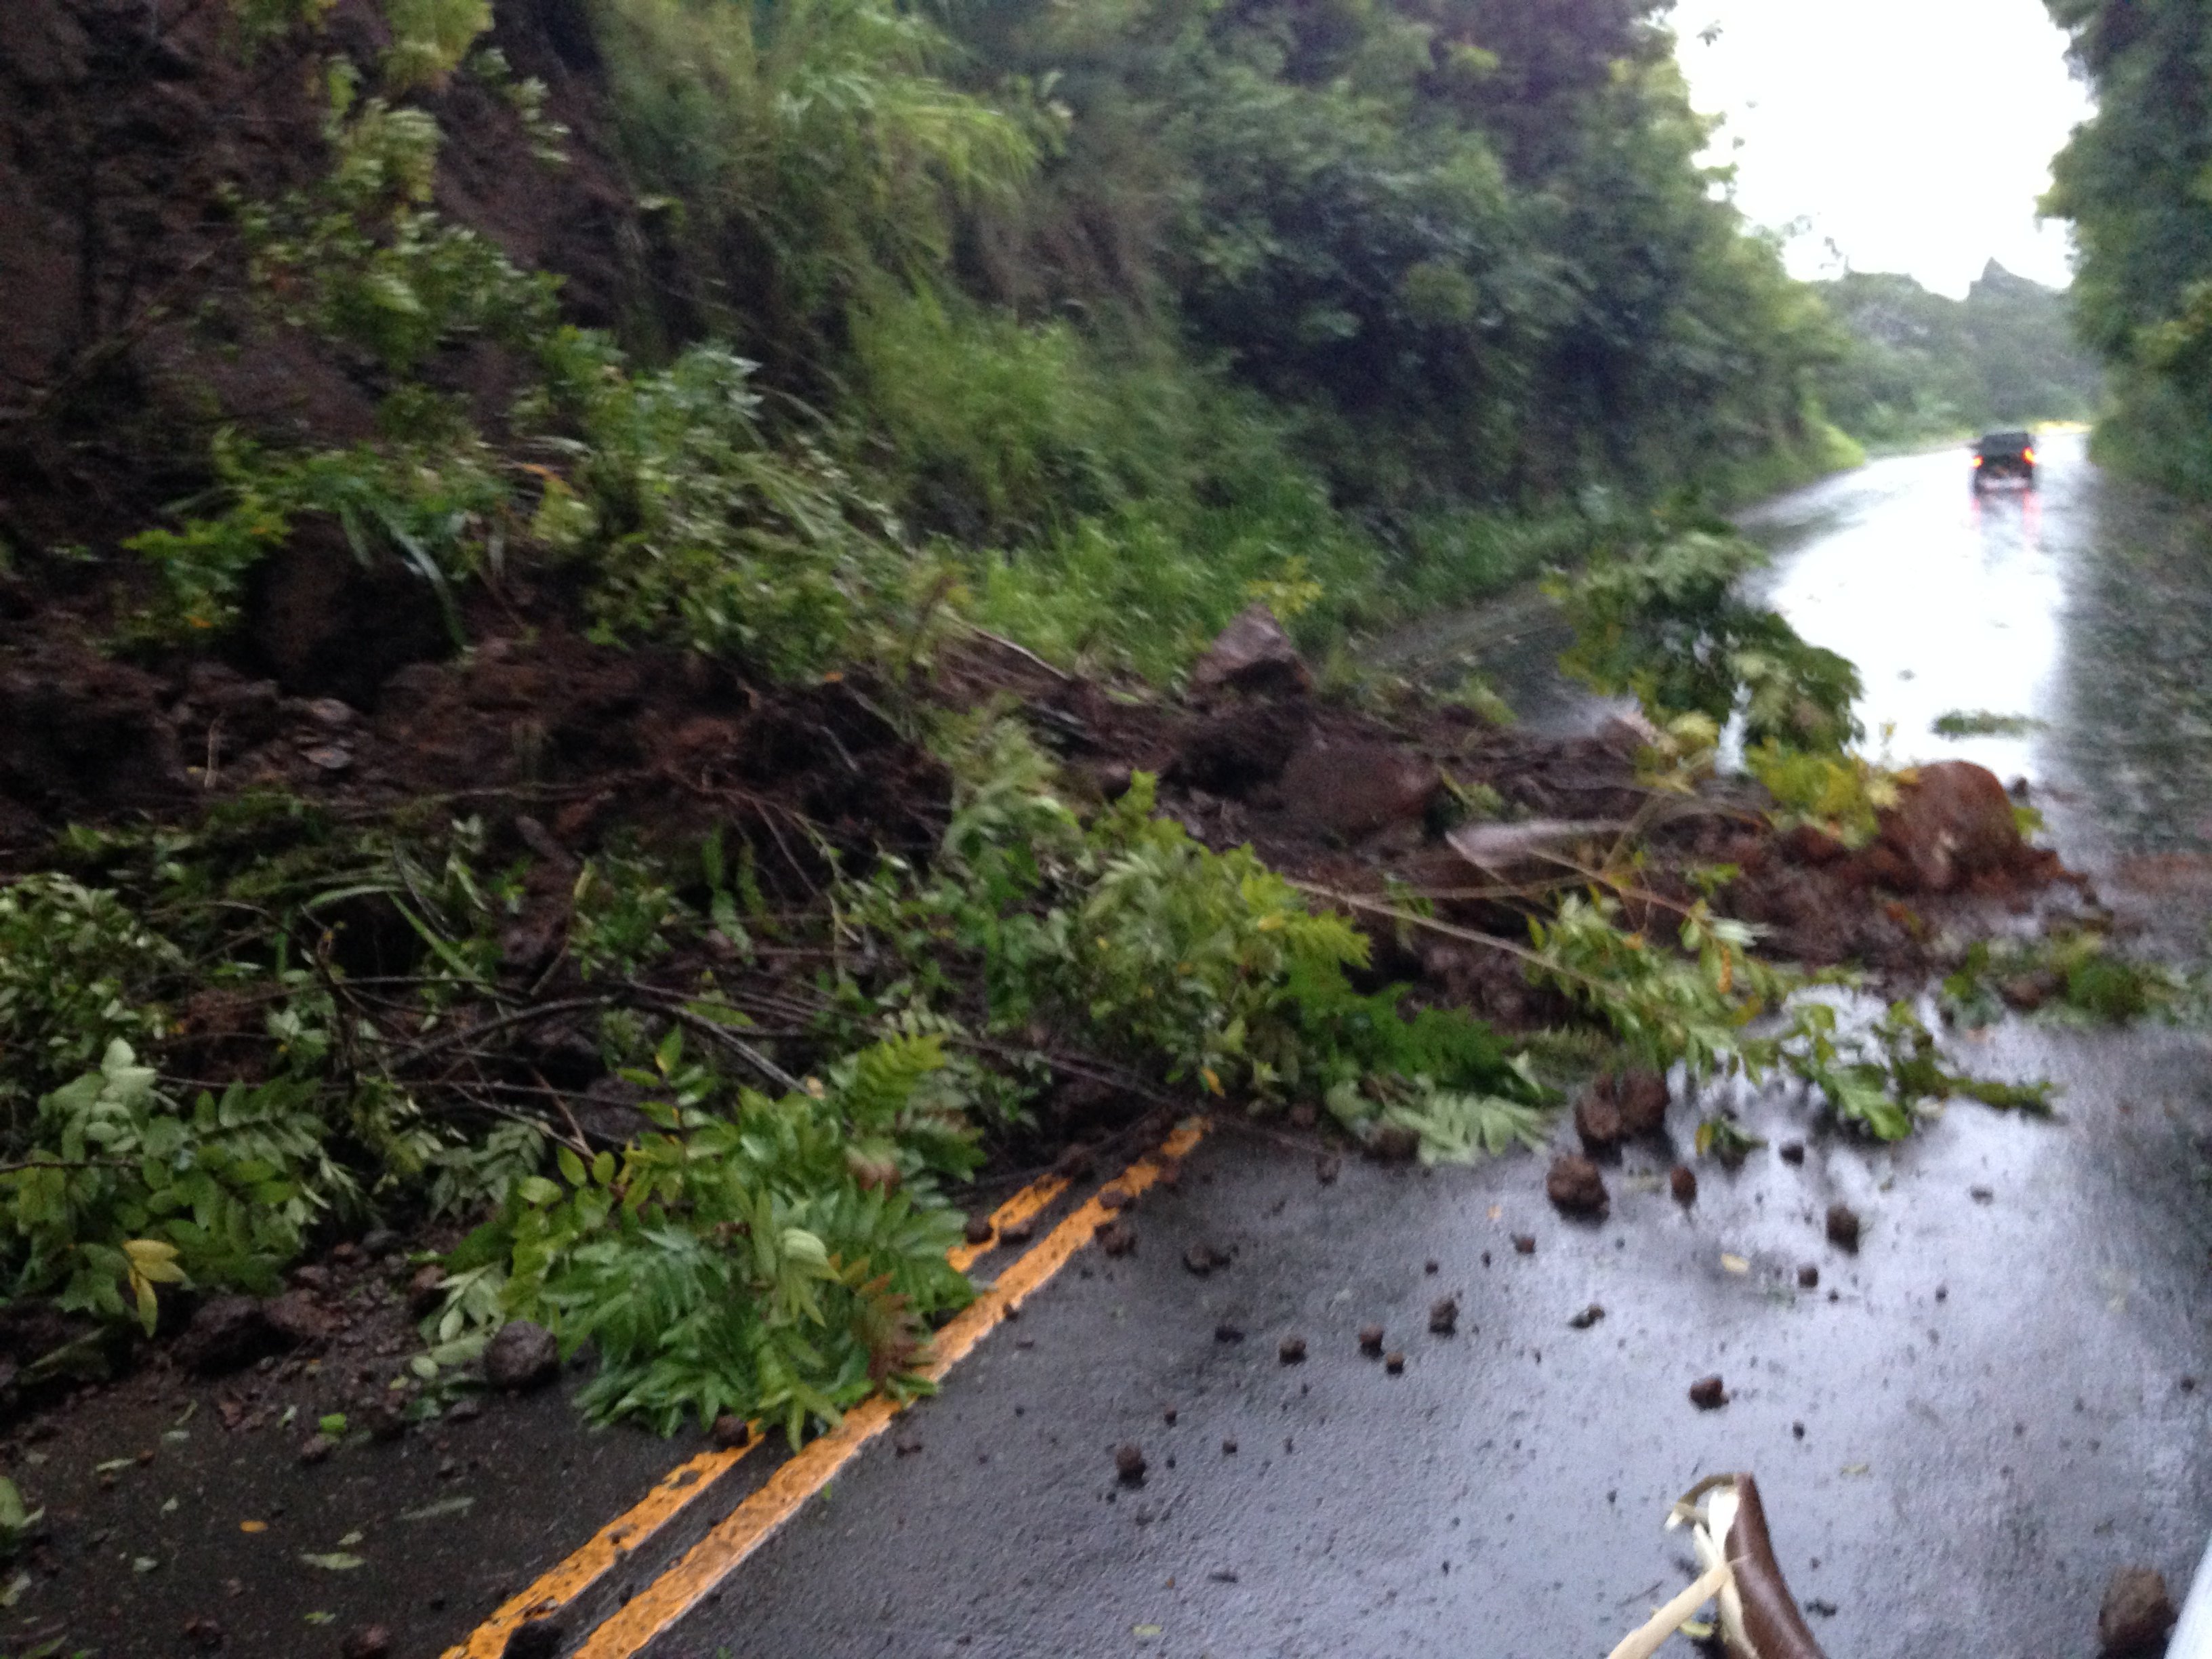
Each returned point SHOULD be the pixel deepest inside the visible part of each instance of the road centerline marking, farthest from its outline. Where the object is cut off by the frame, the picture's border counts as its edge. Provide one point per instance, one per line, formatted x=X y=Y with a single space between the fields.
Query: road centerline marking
x=659 y=1606
x=559 y=1586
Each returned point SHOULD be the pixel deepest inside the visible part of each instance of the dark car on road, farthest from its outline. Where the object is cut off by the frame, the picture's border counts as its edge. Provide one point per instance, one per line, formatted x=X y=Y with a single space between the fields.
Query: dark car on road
x=2004 y=455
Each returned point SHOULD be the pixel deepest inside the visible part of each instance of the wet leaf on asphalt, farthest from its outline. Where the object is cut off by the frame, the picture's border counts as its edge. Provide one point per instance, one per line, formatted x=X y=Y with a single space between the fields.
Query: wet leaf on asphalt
x=1734 y=1264
x=443 y=1506
x=253 y=1526
x=336 y=1561
x=144 y=1564
x=321 y=1618
x=333 y=1425
x=1856 y=1468
x=169 y=1508
x=14 y=1593
x=350 y=1539
x=1144 y=1630
x=112 y=1464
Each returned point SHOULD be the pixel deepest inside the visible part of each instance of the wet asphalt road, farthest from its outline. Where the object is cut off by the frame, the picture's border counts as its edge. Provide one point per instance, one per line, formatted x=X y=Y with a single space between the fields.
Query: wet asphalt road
x=1998 y=1393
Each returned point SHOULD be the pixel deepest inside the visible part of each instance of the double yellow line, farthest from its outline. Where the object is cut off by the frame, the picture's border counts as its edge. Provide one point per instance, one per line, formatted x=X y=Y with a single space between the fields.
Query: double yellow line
x=658 y=1607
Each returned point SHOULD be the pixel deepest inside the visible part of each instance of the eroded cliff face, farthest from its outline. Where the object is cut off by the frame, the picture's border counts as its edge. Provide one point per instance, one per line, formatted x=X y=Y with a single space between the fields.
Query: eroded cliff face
x=129 y=129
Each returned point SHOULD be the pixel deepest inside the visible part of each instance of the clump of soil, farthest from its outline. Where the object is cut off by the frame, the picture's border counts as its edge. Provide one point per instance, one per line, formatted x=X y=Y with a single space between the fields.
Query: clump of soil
x=2137 y=1614
x=1576 y=1187
x=1844 y=1227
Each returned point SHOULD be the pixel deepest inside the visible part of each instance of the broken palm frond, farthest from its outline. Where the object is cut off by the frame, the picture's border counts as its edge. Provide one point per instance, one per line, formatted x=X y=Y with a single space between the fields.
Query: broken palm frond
x=1648 y=1638
x=1759 y=1617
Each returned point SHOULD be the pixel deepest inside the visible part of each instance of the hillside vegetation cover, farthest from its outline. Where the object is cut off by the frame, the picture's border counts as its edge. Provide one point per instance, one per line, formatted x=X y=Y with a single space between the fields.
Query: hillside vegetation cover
x=2133 y=181
x=1086 y=325
x=1922 y=365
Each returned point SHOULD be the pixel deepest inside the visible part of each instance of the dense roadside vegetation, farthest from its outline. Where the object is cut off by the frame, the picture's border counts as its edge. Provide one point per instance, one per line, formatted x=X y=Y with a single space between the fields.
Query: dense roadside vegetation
x=1923 y=366
x=2133 y=182
x=1082 y=326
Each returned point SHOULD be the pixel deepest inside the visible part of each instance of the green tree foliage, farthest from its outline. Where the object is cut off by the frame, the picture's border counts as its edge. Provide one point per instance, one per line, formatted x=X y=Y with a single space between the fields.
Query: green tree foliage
x=1471 y=241
x=1922 y=365
x=2134 y=181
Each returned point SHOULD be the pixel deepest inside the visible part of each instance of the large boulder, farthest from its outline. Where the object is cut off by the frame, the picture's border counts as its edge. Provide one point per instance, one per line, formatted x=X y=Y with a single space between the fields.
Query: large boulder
x=1253 y=655
x=1951 y=822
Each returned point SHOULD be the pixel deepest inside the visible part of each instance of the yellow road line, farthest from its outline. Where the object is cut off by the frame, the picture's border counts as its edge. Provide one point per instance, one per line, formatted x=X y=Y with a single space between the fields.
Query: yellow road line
x=675 y=1492
x=670 y=1495
x=1024 y=1206
x=660 y=1604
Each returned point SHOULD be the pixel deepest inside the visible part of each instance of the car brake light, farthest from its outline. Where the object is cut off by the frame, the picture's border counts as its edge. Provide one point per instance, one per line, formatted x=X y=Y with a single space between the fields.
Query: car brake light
x=1977 y=460
x=2029 y=457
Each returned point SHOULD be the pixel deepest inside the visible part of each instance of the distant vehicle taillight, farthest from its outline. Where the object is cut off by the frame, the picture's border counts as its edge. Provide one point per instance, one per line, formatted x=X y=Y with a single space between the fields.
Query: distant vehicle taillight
x=2029 y=458
x=1977 y=460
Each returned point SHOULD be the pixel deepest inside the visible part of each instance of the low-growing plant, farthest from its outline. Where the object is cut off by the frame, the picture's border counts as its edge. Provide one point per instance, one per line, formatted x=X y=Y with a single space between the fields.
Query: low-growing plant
x=777 y=1258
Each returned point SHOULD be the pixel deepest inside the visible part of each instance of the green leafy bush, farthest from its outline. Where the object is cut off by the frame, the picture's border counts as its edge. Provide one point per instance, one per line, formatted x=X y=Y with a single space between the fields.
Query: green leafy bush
x=79 y=971
x=778 y=1258
x=697 y=531
x=122 y=1190
x=1665 y=622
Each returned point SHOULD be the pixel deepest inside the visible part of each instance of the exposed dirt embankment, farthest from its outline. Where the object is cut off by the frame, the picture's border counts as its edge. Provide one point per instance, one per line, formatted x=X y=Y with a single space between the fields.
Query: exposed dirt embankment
x=127 y=129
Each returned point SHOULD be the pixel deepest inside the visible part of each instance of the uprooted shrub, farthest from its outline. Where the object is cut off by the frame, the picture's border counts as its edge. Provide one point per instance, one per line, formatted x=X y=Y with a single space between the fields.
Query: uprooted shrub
x=1664 y=620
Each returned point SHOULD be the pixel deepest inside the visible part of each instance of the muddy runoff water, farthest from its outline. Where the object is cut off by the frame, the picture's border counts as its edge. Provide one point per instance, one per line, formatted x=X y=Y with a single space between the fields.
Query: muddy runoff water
x=1961 y=1427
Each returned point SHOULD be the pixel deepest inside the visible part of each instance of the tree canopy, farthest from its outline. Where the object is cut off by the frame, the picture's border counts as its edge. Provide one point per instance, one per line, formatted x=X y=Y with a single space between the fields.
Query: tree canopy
x=2136 y=181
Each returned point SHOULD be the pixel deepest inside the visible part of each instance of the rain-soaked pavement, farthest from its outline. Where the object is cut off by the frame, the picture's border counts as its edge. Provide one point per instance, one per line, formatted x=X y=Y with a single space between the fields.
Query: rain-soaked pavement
x=1960 y=1428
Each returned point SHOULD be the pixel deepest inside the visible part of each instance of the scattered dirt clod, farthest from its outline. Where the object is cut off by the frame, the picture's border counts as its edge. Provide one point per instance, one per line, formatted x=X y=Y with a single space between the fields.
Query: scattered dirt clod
x=1524 y=1243
x=1588 y=1317
x=1575 y=1186
x=1791 y=1151
x=1229 y=1448
x=1225 y=1332
x=1844 y=1227
x=1293 y=1351
x=1017 y=1232
x=1444 y=1316
x=203 y=1633
x=2137 y=1614
x=1371 y=1340
x=370 y=1642
x=1326 y=1167
x=730 y=1432
x=1394 y=1362
x=1808 y=1277
x=1117 y=1238
x=1203 y=1259
x=1129 y=1463
x=1707 y=1394
x=1168 y=1415
x=316 y=1448
x=978 y=1229
x=1114 y=1198
x=1682 y=1181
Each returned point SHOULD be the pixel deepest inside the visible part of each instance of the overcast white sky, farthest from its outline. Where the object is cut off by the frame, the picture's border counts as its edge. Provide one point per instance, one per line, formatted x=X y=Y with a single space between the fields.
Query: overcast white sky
x=1914 y=134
